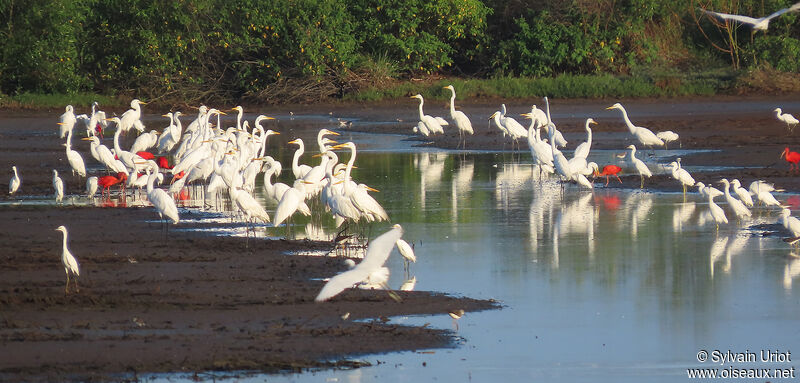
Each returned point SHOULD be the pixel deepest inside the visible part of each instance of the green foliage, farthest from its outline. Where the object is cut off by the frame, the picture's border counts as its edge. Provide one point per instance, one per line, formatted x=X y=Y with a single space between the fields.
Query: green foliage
x=40 y=46
x=265 y=50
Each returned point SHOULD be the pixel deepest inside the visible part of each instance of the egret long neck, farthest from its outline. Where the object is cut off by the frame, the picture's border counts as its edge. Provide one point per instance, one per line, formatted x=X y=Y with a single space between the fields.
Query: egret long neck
x=628 y=122
x=453 y=102
x=421 y=114
x=297 y=154
x=347 y=171
x=69 y=139
x=116 y=139
x=64 y=243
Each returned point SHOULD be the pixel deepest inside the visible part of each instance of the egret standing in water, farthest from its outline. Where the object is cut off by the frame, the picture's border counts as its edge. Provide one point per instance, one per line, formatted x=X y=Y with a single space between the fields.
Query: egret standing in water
x=786 y=118
x=13 y=185
x=640 y=166
x=58 y=186
x=462 y=121
x=69 y=262
x=645 y=136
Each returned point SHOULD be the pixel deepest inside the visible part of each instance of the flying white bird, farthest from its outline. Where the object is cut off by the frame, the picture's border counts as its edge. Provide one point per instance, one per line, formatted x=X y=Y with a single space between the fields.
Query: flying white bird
x=377 y=253
x=760 y=24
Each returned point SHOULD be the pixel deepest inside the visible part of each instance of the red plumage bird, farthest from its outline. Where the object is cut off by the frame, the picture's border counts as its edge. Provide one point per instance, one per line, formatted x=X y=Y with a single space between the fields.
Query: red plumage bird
x=146 y=155
x=163 y=163
x=106 y=182
x=610 y=170
x=791 y=157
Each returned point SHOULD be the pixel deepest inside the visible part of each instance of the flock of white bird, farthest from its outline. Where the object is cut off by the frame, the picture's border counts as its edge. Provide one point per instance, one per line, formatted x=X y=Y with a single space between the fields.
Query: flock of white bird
x=225 y=162
x=549 y=159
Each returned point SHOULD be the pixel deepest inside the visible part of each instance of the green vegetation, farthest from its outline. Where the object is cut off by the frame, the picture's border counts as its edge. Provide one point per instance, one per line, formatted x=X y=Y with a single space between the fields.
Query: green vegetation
x=312 y=50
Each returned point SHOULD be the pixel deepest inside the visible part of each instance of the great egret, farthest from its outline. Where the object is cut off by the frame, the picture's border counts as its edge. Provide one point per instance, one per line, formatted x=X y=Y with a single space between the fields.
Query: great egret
x=640 y=166
x=377 y=253
x=69 y=262
x=513 y=127
x=716 y=212
x=74 y=158
x=643 y=135
x=66 y=121
x=792 y=224
x=557 y=136
x=758 y=24
x=368 y=206
x=164 y=204
x=792 y=158
x=582 y=150
x=433 y=125
x=58 y=186
x=739 y=209
x=787 y=118
x=667 y=136
x=97 y=121
x=91 y=186
x=298 y=169
x=145 y=141
x=462 y=121
x=681 y=175
x=132 y=117
x=291 y=202
x=13 y=185
x=743 y=194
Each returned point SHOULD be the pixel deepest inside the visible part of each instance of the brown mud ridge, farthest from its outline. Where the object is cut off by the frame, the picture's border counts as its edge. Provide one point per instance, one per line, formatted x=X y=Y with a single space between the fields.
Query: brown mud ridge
x=192 y=303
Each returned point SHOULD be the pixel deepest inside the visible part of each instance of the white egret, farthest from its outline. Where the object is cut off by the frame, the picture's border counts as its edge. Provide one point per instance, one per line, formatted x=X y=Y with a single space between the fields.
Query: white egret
x=557 y=136
x=513 y=127
x=74 y=158
x=667 y=136
x=758 y=24
x=739 y=209
x=13 y=185
x=161 y=200
x=787 y=118
x=91 y=186
x=369 y=207
x=644 y=135
x=70 y=263
x=681 y=175
x=97 y=121
x=377 y=253
x=406 y=251
x=639 y=165
x=58 y=186
x=127 y=158
x=462 y=121
x=716 y=212
x=145 y=141
x=433 y=125
x=582 y=150
x=743 y=194
x=298 y=169
x=66 y=121
x=291 y=202
x=132 y=117
x=792 y=224
x=559 y=161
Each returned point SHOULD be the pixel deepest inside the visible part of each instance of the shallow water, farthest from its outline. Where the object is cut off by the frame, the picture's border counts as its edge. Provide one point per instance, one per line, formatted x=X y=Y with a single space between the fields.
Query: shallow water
x=615 y=285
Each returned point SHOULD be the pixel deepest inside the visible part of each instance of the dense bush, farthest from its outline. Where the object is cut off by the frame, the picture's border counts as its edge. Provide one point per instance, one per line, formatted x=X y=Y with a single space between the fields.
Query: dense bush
x=263 y=49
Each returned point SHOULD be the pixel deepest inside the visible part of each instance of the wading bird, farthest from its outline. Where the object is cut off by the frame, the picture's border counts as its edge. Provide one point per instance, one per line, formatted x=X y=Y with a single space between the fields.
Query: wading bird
x=433 y=125
x=377 y=253
x=645 y=136
x=792 y=158
x=462 y=121
x=58 y=186
x=640 y=166
x=69 y=262
x=610 y=170
x=13 y=185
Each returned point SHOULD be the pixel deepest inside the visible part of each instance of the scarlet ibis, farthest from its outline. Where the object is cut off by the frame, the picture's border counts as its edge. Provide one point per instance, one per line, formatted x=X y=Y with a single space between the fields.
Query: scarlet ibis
x=163 y=162
x=106 y=182
x=99 y=130
x=610 y=170
x=791 y=157
x=146 y=155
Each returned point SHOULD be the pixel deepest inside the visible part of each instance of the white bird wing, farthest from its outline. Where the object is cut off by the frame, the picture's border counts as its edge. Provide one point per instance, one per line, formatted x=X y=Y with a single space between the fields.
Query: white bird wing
x=377 y=253
x=72 y=264
x=441 y=121
x=406 y=250
x=739 y=18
